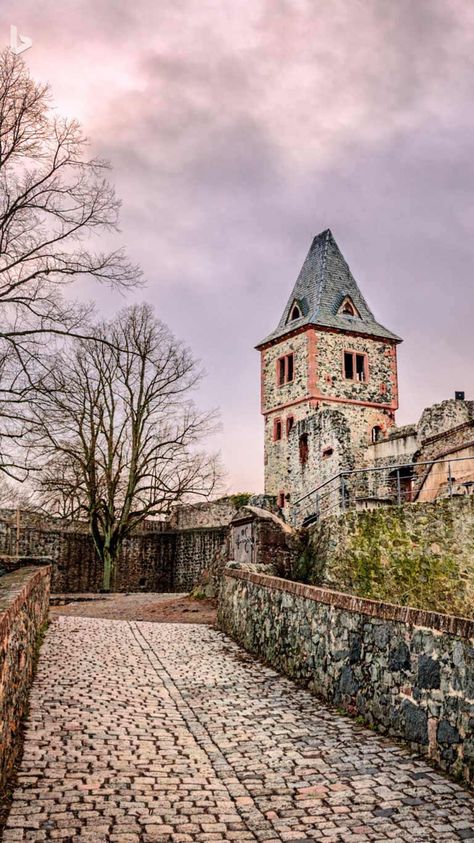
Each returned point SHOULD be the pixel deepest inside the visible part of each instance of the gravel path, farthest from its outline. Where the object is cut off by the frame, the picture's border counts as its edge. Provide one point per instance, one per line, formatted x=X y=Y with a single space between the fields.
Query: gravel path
x=143 y=732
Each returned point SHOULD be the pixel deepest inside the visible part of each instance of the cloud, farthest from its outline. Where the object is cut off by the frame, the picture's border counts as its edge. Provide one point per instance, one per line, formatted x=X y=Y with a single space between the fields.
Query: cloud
x=239 y=130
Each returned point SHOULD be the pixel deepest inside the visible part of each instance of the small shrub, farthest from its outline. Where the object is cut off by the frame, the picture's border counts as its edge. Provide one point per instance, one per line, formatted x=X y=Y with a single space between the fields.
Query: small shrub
x=240 y=499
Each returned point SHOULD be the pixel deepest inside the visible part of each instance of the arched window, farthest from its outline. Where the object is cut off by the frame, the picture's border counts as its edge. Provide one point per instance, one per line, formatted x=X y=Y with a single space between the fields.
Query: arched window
x=303 y=446
x=377 y=433
x=348 y=307
x=295 y=312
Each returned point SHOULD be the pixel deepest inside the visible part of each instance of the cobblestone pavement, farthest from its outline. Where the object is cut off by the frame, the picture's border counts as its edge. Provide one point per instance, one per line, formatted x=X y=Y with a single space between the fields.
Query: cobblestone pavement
x=146 y=733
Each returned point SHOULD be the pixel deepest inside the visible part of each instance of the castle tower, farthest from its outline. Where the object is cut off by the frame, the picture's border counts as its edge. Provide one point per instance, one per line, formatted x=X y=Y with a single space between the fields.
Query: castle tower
x=328 y=353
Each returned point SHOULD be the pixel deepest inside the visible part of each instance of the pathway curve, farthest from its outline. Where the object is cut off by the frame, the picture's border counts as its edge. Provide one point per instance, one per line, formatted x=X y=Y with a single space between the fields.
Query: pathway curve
x=168 y=733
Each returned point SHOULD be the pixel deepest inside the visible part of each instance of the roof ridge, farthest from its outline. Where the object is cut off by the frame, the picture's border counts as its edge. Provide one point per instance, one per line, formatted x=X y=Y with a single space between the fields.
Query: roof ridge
x=328 y=235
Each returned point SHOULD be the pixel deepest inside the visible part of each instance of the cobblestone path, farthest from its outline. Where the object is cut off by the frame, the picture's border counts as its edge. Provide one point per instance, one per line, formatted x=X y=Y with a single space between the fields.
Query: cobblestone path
x=143 y=732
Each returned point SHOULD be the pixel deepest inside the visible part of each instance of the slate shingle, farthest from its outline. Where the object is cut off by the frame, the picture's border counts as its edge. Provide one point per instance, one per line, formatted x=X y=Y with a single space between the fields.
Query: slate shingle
x=322 y=285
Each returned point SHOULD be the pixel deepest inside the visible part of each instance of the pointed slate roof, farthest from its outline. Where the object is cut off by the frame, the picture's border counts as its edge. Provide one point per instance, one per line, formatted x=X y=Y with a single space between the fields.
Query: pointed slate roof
x=324 y=282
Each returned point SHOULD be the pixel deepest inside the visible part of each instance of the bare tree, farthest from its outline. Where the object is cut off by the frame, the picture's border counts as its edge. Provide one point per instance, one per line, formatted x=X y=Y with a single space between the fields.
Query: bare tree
x=53 y=199
x=118 y=433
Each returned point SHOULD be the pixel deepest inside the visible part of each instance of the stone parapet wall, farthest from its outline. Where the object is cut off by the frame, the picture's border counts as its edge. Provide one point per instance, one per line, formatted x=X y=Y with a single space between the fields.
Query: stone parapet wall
x=149 y=561
x=217 y=513
x=24 y=601
x=407 y=672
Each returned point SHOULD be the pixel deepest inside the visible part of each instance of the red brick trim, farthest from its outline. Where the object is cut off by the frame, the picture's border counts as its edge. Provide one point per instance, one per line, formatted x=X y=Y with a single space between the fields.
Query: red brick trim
x=393 y=353
x=451 y=624
x=262 y=381
x=321 y=399
x=264 y=345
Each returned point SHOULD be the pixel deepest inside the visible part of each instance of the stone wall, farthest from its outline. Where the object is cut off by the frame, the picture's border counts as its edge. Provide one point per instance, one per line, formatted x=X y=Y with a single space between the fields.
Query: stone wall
x=319 y=383
x=408 y=673
x=416 y=554
x=196 y=551
x=150 y=561
x=444 y=417
x=217 y=513
x=275 y=399
x=329 y=451
x=380 y=385
x=24 y=601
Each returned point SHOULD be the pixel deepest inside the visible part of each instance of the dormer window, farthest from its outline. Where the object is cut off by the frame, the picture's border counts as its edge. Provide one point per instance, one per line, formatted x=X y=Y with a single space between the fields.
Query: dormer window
x=348 y=308
x=295 y=312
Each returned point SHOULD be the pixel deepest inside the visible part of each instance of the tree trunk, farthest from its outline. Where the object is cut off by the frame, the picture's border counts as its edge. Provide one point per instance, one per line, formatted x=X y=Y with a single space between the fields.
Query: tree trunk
x=109 y=567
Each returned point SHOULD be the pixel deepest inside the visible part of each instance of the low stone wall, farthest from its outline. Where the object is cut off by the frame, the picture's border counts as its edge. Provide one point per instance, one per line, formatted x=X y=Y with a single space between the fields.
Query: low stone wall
x=408 y=672
x=24 y=601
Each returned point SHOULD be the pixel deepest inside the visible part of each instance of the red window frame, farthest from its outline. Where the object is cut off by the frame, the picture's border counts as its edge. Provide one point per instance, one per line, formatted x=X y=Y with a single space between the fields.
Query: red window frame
x=355 y=354
x=289 y=425
x=281 y=500
x=285 y=367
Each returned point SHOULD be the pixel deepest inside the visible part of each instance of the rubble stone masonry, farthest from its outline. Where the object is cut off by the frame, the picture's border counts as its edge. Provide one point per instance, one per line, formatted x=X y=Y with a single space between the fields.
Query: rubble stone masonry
x=24 y=601
x=149 y=561
x=319 y=384
x=407 y=672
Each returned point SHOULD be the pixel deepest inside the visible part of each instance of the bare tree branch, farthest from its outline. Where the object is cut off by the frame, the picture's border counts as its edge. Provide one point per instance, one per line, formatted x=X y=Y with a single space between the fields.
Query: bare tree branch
x=54 y=199
x=115 y=429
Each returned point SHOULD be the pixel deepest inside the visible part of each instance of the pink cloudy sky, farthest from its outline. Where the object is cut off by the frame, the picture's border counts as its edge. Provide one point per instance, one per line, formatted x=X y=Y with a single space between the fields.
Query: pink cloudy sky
x=237 y=129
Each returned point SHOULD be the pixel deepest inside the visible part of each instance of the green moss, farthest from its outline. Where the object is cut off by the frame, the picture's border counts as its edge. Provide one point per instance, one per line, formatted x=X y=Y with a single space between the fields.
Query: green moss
x=240 y=499
x=419 y=555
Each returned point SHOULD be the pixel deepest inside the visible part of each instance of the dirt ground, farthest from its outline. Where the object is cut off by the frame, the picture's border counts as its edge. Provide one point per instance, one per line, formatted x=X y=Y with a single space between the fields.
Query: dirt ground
x=159 y=608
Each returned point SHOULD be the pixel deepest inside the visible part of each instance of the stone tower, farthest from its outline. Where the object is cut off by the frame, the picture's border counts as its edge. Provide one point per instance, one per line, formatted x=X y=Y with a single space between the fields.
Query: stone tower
x=328 y=377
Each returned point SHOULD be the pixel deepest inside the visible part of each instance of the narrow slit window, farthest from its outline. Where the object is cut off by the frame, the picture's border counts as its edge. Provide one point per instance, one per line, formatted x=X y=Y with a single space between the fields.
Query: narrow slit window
x=304 y=450
x=289 y=371
x=360 y=367
x=281 y=500
x=277 y=430
x=377 y=434
x=281 y=371
x=289 y=424
x=349 y=365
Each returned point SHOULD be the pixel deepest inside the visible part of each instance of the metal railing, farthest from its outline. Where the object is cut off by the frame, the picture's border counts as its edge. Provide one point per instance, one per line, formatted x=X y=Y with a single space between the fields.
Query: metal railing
x=387 y=485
